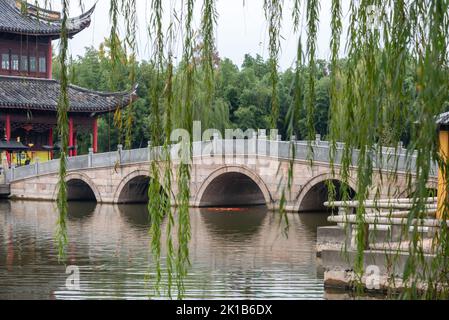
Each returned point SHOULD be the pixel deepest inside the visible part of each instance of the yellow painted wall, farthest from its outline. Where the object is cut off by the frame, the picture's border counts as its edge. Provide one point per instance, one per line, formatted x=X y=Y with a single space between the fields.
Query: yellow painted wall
x=32 y=155
x=442 y=183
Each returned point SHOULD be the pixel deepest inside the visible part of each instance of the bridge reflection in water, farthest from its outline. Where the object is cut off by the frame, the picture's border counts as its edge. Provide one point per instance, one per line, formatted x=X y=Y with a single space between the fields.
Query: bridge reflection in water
x=234 y=254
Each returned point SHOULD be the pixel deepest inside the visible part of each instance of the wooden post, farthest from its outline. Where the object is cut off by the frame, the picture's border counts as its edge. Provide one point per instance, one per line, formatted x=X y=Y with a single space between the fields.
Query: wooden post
x=95 y=135
x=50 y=142
x=8 y=136
x=442 y=183
x=50 y=60
x=71 y=136
x=75 y=142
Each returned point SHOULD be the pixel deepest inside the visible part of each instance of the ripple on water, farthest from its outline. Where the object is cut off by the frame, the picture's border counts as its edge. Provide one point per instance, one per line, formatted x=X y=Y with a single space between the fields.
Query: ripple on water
x=234 y=254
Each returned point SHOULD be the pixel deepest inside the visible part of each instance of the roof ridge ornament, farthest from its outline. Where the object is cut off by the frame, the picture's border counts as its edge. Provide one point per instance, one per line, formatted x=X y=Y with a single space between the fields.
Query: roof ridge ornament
x=20 y=17
x=37 y=12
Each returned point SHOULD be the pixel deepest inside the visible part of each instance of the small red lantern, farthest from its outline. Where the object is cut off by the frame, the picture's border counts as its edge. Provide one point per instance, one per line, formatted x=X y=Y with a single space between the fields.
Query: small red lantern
x=28 y=127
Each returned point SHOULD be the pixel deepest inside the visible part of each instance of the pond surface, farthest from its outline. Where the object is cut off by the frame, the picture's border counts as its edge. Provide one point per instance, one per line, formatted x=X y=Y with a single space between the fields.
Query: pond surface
x=239 y=254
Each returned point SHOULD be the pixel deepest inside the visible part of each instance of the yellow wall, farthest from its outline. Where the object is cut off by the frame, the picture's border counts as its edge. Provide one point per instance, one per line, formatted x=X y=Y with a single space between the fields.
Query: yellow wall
x=442 y=183
x=32 y=155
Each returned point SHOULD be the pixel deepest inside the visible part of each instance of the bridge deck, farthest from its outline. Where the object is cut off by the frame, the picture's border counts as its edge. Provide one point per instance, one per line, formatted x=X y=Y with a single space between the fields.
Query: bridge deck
x=319 y=151
x=253 y=170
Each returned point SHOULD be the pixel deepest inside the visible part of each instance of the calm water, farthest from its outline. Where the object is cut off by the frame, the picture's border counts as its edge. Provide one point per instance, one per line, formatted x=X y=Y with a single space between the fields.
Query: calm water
x=234 y=254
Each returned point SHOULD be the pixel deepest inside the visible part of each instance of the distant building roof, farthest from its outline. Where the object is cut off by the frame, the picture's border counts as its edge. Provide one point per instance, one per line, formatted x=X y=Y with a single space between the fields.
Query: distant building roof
x=37 y=21
x=43 y=94
x=12 y=146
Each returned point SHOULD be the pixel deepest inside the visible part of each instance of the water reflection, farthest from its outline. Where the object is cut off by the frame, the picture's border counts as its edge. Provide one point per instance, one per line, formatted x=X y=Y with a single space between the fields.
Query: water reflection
x=5 y=206
x=135 y=214
x=234 y=254
x=236 y=224
x=312 y=220
x=80 y=210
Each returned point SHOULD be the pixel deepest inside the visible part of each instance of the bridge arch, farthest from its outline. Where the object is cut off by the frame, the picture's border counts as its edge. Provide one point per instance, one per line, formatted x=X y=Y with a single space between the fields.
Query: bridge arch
x=80 y=187
x=312 y=191
x=211 y=192
x=133 y=188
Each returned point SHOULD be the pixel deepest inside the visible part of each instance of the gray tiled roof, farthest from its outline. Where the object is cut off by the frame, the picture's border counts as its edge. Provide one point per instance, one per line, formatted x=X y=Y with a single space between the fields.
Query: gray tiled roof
x=14 y=21
x=443 y=119
x=12 y=146
x=43 y=94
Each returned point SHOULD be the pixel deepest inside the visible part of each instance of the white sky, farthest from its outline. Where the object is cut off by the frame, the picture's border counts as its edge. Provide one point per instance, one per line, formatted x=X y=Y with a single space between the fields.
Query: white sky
x=242 y=28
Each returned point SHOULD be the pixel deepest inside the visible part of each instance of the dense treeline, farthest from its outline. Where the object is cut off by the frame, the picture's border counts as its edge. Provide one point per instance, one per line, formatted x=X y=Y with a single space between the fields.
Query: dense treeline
x=242 y=96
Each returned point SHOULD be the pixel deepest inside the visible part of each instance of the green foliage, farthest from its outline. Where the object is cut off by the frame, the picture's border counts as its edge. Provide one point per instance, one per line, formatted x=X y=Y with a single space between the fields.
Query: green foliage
x=273 y=14
x=63 y=108
x=251 y=118
x=242 y=96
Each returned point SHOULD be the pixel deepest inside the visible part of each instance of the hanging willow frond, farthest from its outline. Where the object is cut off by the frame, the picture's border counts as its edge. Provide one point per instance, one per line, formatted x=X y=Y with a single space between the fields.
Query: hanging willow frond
x=208 y=22
x=184 y=169
x=63 y=109
x=155 y=196
x=156 y=33
x=114 y=42
x=312 y=14
x=273 y=13
x=296 y=15
x=167 y=205
x=129 y=8
x=168 y=173
x=336 y=26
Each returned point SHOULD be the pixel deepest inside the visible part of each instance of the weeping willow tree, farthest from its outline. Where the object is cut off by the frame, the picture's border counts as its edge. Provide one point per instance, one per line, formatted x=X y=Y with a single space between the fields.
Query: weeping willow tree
x=63 y=109
x=129 y=9
x=374 y=98
x=387 y=42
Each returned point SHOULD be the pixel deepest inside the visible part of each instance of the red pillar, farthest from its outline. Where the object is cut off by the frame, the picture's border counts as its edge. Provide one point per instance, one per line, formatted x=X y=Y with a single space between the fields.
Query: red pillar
x=50 y=142
x=75 y=142
x=8 y=135
x=70 y=136
x=95 y=135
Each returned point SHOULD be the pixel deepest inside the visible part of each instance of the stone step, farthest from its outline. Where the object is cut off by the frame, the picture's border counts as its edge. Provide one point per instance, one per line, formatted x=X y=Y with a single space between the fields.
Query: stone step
x=5 y=190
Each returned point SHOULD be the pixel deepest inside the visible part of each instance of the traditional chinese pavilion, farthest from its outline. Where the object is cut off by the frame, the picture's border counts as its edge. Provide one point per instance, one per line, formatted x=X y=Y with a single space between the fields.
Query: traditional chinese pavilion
x=28 y=95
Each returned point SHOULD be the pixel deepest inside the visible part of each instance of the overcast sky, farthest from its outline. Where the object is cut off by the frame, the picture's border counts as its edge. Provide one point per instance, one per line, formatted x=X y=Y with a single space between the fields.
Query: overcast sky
x=242 y=28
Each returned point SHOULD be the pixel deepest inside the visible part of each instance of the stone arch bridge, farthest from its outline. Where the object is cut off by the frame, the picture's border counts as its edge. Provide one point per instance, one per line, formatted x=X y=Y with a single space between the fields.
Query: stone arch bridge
x=224 y=173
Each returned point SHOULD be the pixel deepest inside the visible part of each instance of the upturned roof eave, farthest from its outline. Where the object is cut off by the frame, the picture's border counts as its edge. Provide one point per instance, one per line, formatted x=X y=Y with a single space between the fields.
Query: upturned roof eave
x=53 y=29
x=82 y=100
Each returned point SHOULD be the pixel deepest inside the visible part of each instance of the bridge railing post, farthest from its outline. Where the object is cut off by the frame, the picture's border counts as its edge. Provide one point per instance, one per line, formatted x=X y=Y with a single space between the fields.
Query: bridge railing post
x=149 y=151
x=274 y=144
x=317 y=139
x=292 y=149
x=36 y=167
x=89 y=157
x=214 y=144
x=262 y=143
x=217 y=148
x=251 y=149
x=119 y=153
